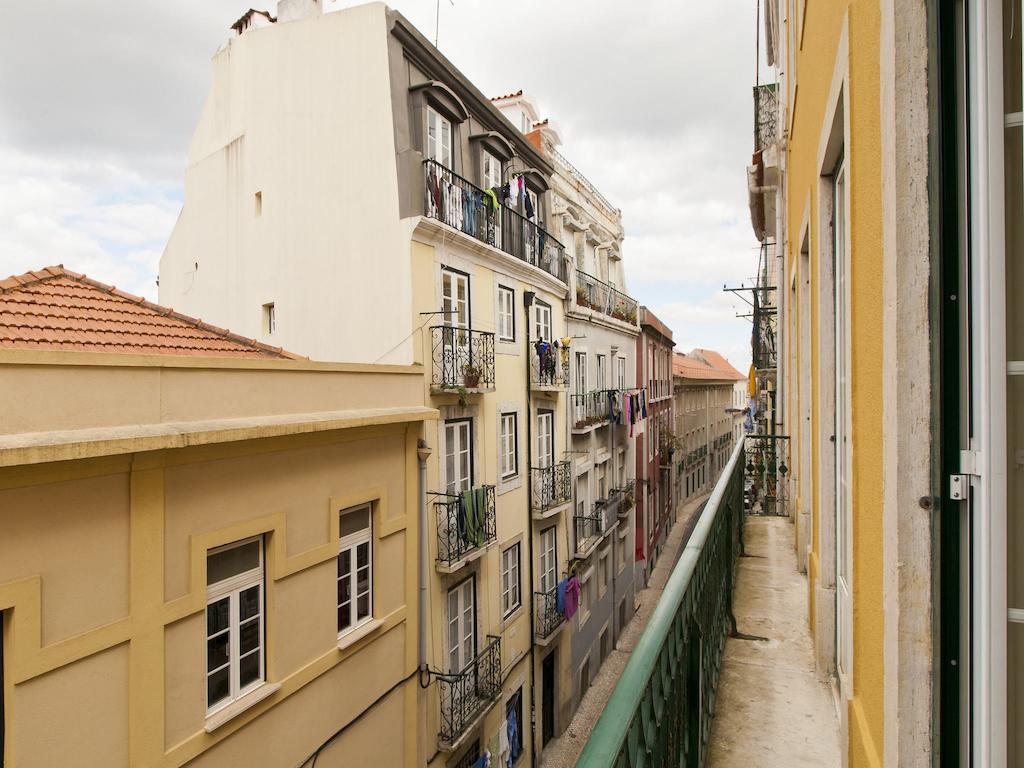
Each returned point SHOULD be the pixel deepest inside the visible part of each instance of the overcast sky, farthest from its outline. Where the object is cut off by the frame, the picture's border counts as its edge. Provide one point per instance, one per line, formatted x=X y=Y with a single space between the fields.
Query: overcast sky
x=99 y=99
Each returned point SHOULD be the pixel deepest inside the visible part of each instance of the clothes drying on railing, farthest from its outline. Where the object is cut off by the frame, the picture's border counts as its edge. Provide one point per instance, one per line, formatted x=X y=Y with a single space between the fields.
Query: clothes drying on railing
x=572 y=597
x=547 y=365
x=472 y=516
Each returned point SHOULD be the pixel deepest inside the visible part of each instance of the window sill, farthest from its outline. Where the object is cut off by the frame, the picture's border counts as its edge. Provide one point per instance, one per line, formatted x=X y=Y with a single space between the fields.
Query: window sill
x=235 y=708
x=357 y=634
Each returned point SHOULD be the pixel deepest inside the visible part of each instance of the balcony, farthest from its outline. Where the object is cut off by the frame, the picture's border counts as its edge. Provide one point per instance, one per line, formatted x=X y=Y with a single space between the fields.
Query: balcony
x=700 y=713
x=451 y=199
x=596 y=295
x=467 y=695
x=590 y=529
x=624 y=498
x=466 y=526
x=589 y=411
x=552 y=489
x=549 y=619
x=549 y=368
x=463 y=360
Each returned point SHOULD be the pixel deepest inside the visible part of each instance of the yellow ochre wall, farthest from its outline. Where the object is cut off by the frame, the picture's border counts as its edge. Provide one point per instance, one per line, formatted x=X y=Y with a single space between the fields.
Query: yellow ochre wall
x=817 y=63
x=102 y=584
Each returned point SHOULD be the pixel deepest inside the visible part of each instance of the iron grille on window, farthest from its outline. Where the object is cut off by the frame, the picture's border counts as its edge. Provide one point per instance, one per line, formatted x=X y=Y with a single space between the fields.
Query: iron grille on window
x=469 y=692
x=465 y=523
x=552 y=486
x=462 y=358
x=469 y=209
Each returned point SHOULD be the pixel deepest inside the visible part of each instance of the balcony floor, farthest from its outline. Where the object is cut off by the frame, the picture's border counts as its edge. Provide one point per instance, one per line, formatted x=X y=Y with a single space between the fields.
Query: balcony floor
x=772 y=709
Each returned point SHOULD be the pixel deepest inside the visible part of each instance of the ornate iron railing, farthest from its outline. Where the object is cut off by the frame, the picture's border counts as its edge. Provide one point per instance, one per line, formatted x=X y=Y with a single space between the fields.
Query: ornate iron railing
x=624 y=496
x=469 y=692
x=593 y=526
x=469 y=209
x=565 y=165
x=462 y=358
x=549 y=366
x=766 y=115
x=465 y=523
x=469 y=758
x=595 y=294
x=552 y=486
x=661 y=708
x=549 y=618
x=590 y=408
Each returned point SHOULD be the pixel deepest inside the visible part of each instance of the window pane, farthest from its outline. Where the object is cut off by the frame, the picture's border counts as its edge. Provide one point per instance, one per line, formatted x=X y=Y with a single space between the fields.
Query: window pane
x=353 y=521
x=217 y=652
x=231 y=562
x=344 y=589
x=345 y=562
x=363 y=555
x=217 y=616
x=362 y=607
x=217 y=687
x=249 y=669
x=249 y=636
x=249 y=603
x=363 y=581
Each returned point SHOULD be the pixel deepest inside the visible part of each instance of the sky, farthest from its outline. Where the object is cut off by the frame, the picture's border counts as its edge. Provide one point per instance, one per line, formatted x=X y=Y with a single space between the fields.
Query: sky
x=652 y=98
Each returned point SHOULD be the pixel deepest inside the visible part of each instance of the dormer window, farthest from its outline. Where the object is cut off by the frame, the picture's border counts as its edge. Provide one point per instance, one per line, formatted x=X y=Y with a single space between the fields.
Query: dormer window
x=439 y=138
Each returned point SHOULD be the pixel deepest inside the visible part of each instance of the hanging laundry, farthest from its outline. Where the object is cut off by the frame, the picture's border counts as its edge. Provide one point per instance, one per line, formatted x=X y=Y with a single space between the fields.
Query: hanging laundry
x=513 y=191
x=503 y=749
x=528 y=203
x=572 y=597
x=491 y=199
x=514 y=747
x=643 y=403
x=560 y=595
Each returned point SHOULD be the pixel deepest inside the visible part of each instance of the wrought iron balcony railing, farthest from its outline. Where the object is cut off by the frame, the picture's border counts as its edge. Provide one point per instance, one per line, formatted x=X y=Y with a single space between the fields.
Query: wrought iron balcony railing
x=549 y=618
x=466 y=694
x=590 y=409
x=466 y=522
x=549 y=366
x=624 y=496
x=766 y=115
x=590 y=528
x=552 y=486
x=469 y=209
x=462 y=358
x=595 y=294
x=657 y=716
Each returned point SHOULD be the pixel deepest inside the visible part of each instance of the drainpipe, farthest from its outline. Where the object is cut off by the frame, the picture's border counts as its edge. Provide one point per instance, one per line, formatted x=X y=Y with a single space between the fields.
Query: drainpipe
x=423 y=451
x=528 y=297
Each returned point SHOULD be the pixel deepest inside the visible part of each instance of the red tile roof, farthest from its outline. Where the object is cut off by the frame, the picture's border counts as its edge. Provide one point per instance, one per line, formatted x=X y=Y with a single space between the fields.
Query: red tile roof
x=704 y=364
x=57 y=309
x=507 y=96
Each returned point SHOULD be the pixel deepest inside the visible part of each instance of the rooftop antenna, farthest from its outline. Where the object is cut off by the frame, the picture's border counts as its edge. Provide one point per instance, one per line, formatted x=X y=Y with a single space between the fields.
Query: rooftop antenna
x=437 y=21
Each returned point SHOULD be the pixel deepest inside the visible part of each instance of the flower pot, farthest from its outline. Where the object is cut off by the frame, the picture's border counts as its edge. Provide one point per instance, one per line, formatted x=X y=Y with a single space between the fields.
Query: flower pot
x=471 y=379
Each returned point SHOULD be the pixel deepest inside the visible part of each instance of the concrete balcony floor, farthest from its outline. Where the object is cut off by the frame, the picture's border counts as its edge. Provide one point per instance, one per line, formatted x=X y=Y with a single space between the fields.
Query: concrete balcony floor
x=772 y=708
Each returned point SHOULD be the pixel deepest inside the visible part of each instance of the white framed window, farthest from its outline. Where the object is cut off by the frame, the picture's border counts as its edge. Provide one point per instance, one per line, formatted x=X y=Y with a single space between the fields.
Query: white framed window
x=541 y=321
x=620 y=372
x=269 y=319
x=509 y=441
x=604 y=570
x=439 y=138
x=461 y=625
x=623 y=551
x=455 y=298
x=602 y=480
x=545 y=439
x=548 y=559
x=355 y=568
x=490 y=167
x=581 y=372
x=511 y=597
x=234 y=622
x=458 y=454
x=506 y=314
x=586 y=596
x=601 y=381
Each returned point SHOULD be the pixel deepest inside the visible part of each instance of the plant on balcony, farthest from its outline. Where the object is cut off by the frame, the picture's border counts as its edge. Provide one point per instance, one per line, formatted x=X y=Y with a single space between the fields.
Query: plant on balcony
x=631 y=317
x=471 y=376
x=581 y=297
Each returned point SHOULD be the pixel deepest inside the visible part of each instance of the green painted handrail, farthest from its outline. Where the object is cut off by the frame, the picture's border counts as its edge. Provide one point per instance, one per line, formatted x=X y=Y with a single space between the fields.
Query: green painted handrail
x=657 y=686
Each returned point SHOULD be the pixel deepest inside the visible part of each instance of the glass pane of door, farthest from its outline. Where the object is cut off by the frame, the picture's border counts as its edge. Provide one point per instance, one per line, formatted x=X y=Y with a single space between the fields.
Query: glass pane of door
x=458 y=456
x=548 y=560
x=461 y=626
x=545 y=439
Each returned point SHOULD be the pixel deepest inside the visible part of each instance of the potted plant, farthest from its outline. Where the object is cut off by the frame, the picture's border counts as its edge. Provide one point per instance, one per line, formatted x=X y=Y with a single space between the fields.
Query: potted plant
x=581 y=297
x=471 y=376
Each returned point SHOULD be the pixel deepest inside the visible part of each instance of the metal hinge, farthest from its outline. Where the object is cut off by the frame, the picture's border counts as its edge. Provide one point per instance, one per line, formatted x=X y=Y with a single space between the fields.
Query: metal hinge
x=960 y=484
x=969 y=461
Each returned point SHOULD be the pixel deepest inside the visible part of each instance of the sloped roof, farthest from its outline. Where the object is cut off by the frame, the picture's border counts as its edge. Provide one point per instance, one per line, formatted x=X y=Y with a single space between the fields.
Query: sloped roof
x=57 y=309
x=705 y=365
x=507 y=96
x=720 y=364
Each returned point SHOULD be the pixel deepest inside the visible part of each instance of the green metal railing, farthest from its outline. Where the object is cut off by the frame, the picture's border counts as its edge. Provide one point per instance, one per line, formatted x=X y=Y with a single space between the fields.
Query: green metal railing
x=660 y=711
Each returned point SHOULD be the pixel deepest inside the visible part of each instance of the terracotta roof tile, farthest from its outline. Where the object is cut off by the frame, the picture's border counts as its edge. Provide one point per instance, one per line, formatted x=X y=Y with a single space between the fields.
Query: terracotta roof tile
x=507 y=96
x=704 y=364
x=57 y=309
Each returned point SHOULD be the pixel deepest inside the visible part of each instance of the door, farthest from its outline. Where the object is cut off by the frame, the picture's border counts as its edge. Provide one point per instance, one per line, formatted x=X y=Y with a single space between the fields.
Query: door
x=546 y=455
x=541 y=321
x=458 y=448
x=455 y=315
x=841 y=447
x=547 y=727
x=492 y=180
x=461 y=626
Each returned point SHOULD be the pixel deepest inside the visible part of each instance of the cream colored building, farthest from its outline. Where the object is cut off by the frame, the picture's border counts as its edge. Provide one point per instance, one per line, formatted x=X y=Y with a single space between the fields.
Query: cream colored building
x=373 y=239
x=210 y=546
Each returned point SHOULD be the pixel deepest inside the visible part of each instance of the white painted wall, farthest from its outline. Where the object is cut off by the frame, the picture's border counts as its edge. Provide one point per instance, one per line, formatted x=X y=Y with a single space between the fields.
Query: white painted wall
x=328 y=248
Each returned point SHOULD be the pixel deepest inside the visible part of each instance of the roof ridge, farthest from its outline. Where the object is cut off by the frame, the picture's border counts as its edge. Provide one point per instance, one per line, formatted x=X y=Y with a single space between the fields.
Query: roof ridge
x=16 y=282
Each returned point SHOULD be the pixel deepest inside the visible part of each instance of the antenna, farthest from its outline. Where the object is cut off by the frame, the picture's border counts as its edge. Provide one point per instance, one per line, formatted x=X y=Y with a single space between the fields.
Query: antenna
x=437 y=21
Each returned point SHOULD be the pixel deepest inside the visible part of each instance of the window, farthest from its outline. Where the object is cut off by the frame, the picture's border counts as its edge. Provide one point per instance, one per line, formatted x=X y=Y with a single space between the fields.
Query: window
x=491 y=171
x=511 y=598
x=458 y=455
x=509 y=441
x=600 y=383
x=541 y=321
x=603 y=571
x=455 y=298
x=514 y=710
x=602 y=481
x=548 y=560
x=586 y=596
x=258 y=205
x=581 y=372
x=545 y=438
x=506 y=314
x=439 y=138
x=234 y=622
x=461 y=625
x=623 y=551
x=355 y=569
x=269 y=319
x=620 y=372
